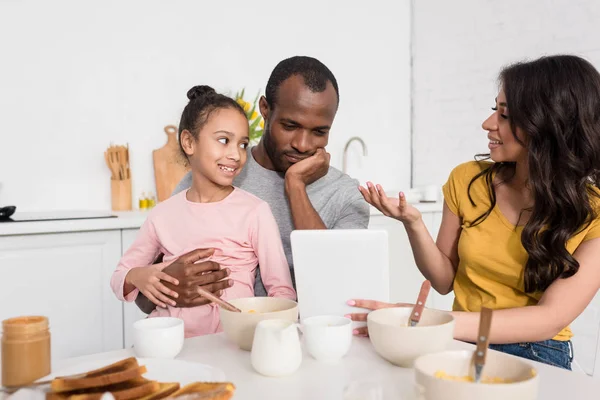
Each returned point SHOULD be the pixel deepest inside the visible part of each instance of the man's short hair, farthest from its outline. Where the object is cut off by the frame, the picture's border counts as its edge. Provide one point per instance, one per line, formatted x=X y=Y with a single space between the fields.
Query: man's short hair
x=314 y=72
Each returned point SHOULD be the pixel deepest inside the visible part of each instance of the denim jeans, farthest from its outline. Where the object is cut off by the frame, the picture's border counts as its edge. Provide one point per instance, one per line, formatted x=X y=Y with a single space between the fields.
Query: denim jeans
x=553 y=352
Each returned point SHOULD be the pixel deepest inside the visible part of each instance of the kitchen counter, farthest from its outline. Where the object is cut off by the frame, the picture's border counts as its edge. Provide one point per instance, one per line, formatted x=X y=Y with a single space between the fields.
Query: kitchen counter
x=422 y=207
x=124 y=220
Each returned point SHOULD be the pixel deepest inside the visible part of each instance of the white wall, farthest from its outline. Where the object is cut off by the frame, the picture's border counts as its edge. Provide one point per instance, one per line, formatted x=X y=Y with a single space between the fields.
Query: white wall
x=76 y=76
x=459 y=49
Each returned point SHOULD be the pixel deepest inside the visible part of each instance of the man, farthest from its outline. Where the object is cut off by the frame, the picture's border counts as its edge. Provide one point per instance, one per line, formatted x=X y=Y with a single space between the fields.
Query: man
x=289 y=169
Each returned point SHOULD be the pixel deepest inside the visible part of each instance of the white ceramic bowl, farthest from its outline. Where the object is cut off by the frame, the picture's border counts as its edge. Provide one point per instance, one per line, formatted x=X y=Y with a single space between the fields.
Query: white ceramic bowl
x=159 y=337
x=327 y=338
x=401 y=344
x=458 y=363
x=239 y=327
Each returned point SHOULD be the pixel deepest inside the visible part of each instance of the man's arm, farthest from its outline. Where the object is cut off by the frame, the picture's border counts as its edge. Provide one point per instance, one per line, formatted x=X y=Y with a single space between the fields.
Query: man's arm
x=304 y=214
x=144 y=304
x=297 y=177
x=356 y=212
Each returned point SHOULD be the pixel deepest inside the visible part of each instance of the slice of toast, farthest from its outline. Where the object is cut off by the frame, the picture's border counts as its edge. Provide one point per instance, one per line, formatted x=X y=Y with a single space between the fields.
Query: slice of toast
x=165 y=390
x=132 y=389
x=118 y=372
x=205 y=391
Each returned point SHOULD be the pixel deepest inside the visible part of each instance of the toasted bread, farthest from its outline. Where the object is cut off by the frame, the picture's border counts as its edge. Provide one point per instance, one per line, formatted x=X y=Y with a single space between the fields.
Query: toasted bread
x=118 y=372
x=133 y=389
x=165 y=390
x=206 y=391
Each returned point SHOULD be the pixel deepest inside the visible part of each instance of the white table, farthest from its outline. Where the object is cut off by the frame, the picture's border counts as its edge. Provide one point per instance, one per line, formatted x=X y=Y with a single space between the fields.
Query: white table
x=316 y=380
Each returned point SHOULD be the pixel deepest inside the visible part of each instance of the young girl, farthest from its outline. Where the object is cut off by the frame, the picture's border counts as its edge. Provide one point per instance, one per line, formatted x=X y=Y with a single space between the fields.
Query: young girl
x=520 y=235
x=213 y=135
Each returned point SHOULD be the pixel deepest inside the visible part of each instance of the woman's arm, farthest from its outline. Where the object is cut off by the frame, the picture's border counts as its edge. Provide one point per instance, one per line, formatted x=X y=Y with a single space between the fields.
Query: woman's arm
x=436 y=261
x=562 y=302
x=274 y=268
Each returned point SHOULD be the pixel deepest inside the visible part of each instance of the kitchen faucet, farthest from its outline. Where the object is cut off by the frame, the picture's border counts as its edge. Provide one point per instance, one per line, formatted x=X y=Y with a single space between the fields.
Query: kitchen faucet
x=345 y=155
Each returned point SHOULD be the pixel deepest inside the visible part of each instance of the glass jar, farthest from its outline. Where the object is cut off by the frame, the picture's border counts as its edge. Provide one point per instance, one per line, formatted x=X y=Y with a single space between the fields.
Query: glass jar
x=25 y=350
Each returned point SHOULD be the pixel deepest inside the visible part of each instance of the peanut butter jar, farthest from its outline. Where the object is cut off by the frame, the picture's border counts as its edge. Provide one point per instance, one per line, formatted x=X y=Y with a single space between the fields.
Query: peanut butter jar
x=25 y=350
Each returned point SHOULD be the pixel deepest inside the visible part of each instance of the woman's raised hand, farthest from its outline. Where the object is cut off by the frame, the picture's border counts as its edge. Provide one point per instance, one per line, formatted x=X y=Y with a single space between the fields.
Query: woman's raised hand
x=391 y=207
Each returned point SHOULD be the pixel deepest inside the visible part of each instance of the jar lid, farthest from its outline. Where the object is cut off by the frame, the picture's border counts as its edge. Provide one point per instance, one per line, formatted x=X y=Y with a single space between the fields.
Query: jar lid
x=25 y=325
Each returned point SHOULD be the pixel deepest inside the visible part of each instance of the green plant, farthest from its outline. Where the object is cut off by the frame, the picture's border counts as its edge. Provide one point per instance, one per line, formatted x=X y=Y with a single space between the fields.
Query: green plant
x=255 y=121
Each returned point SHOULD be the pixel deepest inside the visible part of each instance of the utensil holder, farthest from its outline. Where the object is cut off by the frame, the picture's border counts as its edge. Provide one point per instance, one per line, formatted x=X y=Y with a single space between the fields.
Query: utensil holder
x=121 y=194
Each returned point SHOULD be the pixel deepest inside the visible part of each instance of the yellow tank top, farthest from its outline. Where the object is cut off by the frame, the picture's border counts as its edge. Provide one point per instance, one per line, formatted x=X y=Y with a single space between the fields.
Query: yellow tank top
x=491 y=256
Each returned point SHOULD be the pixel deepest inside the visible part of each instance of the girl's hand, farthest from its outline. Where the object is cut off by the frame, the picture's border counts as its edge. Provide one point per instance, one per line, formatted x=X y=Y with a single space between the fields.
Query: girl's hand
x=369 y=305
x=148 y=281
x=391 y=207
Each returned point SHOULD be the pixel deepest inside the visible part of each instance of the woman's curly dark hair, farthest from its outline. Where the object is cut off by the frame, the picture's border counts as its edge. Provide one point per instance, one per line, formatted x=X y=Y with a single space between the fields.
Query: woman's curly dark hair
x=555 y=101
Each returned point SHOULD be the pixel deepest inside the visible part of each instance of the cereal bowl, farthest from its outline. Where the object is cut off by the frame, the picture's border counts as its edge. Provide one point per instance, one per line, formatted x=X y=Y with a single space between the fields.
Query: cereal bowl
x=401 y=344
x=239 y=327
x=448 y=375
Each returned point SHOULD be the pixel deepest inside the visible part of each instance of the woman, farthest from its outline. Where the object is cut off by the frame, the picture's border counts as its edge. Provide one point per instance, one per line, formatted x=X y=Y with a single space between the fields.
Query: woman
x=520 y=234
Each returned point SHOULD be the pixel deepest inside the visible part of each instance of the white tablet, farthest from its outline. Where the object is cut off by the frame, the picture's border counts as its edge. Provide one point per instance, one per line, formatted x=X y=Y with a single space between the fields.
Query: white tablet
x=334 y=266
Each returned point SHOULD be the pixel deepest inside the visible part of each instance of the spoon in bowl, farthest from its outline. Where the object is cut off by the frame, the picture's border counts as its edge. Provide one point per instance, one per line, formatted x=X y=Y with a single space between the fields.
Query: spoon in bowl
x=483 y=341
x=215 y=299
x=417 y=311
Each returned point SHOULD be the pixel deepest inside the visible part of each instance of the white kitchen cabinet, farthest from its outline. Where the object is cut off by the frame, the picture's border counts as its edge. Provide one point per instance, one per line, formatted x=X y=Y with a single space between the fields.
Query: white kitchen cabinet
x=405 y=277
x=131 y=312
x=586 y=339
x=65 y=276
x=441 y=302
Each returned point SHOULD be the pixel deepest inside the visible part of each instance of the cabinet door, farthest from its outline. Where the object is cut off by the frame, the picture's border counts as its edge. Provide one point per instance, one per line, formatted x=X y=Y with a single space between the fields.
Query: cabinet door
x=586 y=339
x=441 y=302
x=405 y=277
x=66 y=277
x=131 y=312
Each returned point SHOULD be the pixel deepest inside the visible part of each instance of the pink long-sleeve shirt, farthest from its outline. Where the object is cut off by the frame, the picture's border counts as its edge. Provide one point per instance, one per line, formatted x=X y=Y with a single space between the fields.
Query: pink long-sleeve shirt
x=244 y=234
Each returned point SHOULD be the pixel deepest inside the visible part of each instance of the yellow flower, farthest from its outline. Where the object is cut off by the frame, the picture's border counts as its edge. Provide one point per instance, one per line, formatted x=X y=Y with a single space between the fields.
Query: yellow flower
x=262 y=124
x=241 y=102
x=246 y=106
x=254 y=115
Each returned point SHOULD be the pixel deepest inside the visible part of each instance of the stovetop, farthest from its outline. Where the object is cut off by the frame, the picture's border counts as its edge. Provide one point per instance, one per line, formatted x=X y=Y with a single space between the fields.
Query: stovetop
x=57 y=216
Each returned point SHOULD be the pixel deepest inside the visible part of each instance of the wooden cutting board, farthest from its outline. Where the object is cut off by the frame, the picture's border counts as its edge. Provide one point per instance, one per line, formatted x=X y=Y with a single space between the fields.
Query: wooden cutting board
x=168 y=165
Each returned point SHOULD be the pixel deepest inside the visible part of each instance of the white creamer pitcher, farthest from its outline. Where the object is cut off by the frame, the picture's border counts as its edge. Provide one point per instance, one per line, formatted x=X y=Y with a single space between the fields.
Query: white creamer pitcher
x=276 y=348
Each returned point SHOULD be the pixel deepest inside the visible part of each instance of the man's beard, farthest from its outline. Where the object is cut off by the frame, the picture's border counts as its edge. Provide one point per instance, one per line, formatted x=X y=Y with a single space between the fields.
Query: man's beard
x=271 y=149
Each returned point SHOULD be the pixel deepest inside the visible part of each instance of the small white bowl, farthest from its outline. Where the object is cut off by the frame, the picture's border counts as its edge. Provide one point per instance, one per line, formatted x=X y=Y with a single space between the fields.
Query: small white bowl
x=458 y=364
x=401 y=344
x=327 y=338
x=159 y=337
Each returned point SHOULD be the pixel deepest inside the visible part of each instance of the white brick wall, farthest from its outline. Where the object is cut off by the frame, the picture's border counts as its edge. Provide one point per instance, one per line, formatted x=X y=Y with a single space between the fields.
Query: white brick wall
x=459 y=49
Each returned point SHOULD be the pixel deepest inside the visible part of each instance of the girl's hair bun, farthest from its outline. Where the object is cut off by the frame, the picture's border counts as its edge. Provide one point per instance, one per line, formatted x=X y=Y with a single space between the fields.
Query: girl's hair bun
x=200 y=91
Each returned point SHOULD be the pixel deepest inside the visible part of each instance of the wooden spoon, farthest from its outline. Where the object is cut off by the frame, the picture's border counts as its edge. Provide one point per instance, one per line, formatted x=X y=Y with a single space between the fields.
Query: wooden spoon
x=417 y=311
x=483 y=341
x=215 y=299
